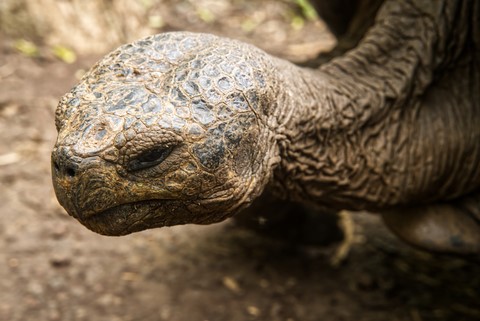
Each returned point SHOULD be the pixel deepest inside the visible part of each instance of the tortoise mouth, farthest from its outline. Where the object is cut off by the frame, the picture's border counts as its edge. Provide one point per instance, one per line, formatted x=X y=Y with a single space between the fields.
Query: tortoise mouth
x=126 y=218
x=122 y=207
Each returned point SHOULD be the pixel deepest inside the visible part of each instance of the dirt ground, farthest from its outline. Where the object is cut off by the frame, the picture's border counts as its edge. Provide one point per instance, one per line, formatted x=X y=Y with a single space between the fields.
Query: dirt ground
x=52 y=268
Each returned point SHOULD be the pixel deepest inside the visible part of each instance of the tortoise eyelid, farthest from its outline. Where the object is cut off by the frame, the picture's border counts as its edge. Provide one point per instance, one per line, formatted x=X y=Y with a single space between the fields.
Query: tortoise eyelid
x=150 y=158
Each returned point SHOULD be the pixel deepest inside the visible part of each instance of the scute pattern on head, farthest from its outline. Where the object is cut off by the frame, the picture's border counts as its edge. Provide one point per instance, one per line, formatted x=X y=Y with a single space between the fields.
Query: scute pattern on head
x=176 y=81
x=178 y=92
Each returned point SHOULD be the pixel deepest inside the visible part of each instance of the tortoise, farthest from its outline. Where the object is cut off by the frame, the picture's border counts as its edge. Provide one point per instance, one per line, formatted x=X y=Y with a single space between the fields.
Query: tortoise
x=184 y=127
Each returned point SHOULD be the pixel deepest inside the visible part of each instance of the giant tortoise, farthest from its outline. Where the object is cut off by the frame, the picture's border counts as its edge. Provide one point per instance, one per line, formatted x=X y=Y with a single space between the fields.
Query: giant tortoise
x=183 y=127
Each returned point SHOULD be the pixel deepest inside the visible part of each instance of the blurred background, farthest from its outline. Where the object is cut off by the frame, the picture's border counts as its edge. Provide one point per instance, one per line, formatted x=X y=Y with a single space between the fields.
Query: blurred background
x=98 y=26
x=52 y=268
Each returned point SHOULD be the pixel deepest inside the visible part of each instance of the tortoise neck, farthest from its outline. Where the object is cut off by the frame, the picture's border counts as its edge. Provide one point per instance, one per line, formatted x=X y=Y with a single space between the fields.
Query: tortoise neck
x=348 y=132
x=337 y=142
x=321 y=136
x=362 y=131
x=356 y=135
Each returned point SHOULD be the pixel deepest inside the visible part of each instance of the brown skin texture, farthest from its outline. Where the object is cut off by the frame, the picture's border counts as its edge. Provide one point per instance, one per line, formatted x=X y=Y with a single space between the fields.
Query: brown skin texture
x=186 y=146
x=190 y=128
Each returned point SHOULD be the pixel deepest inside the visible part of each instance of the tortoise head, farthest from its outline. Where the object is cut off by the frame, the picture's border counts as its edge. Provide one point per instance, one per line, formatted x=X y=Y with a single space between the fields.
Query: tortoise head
x=168 y=130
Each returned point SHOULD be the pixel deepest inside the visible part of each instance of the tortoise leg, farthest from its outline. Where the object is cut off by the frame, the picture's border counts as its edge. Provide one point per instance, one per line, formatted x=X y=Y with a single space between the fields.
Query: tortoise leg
x=452 y=227
x=293 y=222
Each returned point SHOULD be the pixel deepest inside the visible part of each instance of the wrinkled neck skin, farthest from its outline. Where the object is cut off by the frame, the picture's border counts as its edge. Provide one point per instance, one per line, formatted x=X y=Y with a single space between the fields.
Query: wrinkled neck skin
x=378 y=126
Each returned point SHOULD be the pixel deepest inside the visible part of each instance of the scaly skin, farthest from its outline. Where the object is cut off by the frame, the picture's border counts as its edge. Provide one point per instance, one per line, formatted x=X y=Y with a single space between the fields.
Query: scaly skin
x=191 y=128
x=176 y=92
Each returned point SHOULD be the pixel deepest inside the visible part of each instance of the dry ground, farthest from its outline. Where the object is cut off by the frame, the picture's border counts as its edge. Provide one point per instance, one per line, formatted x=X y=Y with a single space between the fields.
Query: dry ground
x=51 y=268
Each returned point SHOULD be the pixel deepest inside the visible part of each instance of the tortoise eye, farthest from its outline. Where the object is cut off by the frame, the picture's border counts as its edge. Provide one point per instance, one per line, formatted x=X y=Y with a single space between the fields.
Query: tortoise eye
x=150 y=158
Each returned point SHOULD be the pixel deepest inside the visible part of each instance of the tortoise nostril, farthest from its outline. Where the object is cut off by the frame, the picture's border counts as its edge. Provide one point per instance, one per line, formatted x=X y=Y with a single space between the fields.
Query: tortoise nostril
x=70 y=171
x=65 y=164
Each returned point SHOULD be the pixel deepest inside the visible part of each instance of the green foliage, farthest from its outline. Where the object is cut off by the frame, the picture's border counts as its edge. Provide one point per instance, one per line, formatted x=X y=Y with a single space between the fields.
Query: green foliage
x=307 y=9
x=26 y=48
x=206 y=15
x=65 y=54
